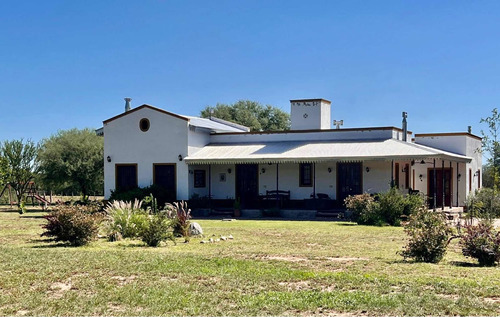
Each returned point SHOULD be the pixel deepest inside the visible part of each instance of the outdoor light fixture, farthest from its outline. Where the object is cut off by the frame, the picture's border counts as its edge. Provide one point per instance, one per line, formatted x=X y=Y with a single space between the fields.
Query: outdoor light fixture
x=422 y=162
x=263 y=170
x=404 y=169
x=329 y=170
x=367 y=169
x=180 y=157
x=229 y=171
x=459 y=176
x=476 y=173
x=191 y=172
x=108 y=158
x=420 y=176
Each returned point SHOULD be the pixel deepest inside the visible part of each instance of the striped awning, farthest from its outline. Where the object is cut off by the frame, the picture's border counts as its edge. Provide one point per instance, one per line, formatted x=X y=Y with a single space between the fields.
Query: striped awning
x=318 y=151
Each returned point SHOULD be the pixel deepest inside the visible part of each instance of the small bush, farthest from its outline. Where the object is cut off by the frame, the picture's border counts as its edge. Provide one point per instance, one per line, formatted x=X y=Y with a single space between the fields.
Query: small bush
x=484 y=203
x=126 y=218
x=384 y=208
x=180 y=215
x=77 y=225
x=428 y=236
x=481 y=242
x=363 y=209
x=157 y=229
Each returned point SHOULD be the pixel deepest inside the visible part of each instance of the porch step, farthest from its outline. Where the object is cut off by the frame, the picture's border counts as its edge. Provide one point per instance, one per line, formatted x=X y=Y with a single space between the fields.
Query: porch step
x=333 y=213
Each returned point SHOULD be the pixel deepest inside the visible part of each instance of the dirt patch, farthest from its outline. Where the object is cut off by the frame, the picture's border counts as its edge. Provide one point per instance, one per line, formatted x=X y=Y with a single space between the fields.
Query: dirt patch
x=124 y=280
x=296 y=286
x=345 y=259
x=58 y=289
x=449 y=296
x=321 y=312
x=286 y=258
x=22 y=312
x=492 y=300
x=116 y=308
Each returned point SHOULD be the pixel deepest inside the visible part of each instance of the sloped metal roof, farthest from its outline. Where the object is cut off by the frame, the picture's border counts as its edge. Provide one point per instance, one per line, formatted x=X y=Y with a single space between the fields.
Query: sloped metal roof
x=214 y=125
x=300 y=151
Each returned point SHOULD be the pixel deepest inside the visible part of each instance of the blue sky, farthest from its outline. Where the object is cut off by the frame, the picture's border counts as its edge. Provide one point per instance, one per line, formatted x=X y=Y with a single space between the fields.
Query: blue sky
x=66 y=64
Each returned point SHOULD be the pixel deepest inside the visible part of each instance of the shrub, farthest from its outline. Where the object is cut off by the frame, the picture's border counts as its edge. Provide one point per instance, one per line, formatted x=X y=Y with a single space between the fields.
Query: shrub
x=484 y=203
x=363 y=209
x=481 y=242
x=385 y=208
x=180 y=215
x=428 y=236
x=77 y=225
x=157 y=229
x=162 y=195
x=126 y=218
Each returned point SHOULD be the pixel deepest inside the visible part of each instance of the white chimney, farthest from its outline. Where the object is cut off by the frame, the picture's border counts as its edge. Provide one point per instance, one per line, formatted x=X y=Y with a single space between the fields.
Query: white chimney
x=127 y=104
x=310 y=114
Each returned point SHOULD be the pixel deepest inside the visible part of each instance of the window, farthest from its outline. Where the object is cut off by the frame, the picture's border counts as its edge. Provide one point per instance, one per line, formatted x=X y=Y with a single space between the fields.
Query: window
x=305 y=174
x=144 y=124
x=126 y=177
x=478 y=179
x=199 y=178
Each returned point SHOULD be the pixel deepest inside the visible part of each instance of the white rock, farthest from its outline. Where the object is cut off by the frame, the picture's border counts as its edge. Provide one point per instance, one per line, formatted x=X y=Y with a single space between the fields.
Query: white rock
x=195 y=229
x=230 y=237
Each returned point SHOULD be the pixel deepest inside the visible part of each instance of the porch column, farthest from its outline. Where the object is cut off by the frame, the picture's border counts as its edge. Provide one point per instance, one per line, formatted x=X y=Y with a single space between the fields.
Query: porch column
x=451 y=192
x=392 y=173
x=457 y=183
x=209 y=186
x=314 y=180
x=442 y=185
x=277 y=187
x=435 y=194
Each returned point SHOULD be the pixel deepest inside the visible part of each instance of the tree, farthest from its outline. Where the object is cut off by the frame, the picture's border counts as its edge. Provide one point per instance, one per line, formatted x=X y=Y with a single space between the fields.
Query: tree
x=22 y=165
x=491 y=145
x=73 y=158
x=251 y=114
x=3 y=171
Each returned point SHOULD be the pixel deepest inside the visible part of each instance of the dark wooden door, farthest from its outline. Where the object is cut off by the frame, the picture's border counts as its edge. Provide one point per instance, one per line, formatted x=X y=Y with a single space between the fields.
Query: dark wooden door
x=439 y=187
x=349 y=181
x=126 y=176
x=164 y=176
x=247 y=184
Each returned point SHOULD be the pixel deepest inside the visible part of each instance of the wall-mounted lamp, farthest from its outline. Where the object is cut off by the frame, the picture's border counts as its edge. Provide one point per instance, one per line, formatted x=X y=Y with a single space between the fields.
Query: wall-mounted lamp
x=459 y=176
x=180 y=157
x=329 y=170
x=476 y=173
x=404 y=169
x=229 y=171
x=412 y=162
x=191 y=172
x=367 y=169
x=420 y=176
x=422 y=162
x=108 y=159
x=263 y=170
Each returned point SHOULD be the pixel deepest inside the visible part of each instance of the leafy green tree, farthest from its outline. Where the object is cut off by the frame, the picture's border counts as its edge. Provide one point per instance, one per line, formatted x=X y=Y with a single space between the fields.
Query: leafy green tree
x=3 y=171
x=73 y=159
x=251 y=114
x=22 y=165
x=491 y=145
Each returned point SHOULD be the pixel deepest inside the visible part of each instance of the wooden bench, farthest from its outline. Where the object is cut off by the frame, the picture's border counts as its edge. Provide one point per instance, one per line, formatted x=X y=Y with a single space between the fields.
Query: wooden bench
x=277 y=195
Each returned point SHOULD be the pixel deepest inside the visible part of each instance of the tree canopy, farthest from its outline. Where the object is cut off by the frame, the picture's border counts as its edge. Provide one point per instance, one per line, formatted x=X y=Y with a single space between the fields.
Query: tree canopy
x=491 y=145
x=73 y=159
x=21 y=162
x=251 y=114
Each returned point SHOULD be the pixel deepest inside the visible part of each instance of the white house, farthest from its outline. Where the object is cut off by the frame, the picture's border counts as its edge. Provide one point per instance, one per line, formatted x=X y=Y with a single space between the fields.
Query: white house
x=197 y=157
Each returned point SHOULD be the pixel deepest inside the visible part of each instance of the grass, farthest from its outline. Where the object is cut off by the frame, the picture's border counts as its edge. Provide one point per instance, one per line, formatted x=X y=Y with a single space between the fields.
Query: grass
x=270 y=268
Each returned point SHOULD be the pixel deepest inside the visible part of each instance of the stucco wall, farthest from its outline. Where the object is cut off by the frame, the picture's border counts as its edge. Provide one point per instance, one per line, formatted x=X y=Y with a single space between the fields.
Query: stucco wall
x=125 y=143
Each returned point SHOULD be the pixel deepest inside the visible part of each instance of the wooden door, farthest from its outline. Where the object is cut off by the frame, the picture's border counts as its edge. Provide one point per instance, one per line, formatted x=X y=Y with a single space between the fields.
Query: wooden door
x=439 y=186
x=349 y=181
x=164 y=176
x=247 y=184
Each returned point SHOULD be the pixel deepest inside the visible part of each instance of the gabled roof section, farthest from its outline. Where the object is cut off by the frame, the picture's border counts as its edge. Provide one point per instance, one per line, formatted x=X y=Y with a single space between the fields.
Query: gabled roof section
x=142 y=107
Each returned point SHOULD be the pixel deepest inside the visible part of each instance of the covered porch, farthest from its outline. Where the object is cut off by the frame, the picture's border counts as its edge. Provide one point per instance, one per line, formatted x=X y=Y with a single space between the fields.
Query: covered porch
x=319 y=176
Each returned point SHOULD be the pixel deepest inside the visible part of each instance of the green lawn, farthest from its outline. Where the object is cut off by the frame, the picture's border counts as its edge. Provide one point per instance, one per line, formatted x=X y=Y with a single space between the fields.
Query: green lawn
x=270 y=268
